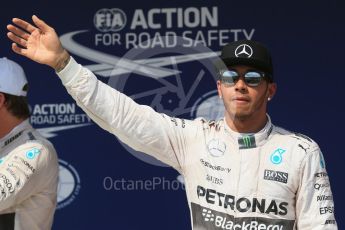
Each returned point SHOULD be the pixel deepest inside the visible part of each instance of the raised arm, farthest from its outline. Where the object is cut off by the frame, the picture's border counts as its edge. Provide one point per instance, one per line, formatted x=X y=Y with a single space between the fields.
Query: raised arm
x=138 y=126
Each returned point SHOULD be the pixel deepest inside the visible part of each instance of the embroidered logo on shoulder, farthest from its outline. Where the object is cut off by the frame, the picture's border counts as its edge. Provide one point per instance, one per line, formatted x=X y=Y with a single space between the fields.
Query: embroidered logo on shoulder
x=276 y=157
x=31 y=154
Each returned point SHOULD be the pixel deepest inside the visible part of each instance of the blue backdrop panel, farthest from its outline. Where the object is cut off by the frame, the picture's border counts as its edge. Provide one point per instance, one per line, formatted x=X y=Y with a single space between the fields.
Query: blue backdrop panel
x=106 y=185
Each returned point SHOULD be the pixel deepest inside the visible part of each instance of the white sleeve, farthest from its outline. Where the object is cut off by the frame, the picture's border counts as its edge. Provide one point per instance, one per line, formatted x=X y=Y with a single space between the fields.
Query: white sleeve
x=314 y=203
x=138 y=126
x=23 y=172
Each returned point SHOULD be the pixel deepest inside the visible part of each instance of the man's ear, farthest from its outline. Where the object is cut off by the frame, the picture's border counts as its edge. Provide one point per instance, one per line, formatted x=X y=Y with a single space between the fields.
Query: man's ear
x=272 y=89
x=219 y=89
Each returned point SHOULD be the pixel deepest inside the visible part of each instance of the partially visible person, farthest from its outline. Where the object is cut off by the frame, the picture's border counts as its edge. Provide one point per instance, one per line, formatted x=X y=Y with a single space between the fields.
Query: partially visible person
x=28 y=162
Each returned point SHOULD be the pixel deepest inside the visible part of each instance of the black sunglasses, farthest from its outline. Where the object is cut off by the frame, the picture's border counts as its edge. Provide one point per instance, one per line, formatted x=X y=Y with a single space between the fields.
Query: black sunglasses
x=251 y=78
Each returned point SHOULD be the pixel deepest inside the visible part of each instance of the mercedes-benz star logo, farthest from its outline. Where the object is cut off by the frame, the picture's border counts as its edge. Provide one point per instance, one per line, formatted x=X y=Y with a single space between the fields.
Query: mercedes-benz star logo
x=244 y=50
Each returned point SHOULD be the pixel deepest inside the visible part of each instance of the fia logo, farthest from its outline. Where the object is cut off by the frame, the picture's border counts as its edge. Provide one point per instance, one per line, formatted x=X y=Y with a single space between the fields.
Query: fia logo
x=107 y=20
x=276 y=157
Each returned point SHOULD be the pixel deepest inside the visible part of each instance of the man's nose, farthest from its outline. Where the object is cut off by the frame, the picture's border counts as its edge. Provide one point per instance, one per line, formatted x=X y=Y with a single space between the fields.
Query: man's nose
x=241 y=84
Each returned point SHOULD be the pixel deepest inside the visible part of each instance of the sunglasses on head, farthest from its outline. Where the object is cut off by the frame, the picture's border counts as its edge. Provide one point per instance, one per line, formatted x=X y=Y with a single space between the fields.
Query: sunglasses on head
x=251 y=77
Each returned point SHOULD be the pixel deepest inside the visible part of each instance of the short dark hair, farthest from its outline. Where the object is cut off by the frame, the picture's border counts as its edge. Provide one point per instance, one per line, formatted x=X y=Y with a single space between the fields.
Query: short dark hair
x=17 y=105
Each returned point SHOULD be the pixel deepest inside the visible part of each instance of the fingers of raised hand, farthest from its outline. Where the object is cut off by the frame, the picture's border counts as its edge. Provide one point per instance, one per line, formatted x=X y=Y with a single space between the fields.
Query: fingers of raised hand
x=23 y=25
x=17 y=39
x=41 y=24
x=19 y=50
x=18 y=32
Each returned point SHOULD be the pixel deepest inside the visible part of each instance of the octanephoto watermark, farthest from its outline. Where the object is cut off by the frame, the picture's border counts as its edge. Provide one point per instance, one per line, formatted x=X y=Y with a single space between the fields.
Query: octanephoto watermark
x=151 y=184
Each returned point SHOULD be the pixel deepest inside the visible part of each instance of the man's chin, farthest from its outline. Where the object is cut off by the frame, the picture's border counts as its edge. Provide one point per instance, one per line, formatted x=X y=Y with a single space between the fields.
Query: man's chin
x=241 y=115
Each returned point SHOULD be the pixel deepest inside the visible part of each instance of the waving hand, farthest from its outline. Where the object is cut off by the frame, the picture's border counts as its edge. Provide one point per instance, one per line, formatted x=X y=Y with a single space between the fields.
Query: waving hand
x=38 y=42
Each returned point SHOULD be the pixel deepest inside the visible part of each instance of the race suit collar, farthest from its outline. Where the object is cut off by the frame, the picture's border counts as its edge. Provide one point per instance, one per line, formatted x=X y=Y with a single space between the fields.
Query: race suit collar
x=14 y=133
x=250 y=140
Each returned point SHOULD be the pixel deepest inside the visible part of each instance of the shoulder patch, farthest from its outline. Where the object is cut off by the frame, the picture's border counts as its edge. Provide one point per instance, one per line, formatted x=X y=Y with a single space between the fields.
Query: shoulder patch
x=305 y=147
x=304 y=142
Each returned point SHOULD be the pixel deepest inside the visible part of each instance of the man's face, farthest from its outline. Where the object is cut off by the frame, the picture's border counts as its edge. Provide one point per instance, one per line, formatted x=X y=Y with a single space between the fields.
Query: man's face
x=242 y=101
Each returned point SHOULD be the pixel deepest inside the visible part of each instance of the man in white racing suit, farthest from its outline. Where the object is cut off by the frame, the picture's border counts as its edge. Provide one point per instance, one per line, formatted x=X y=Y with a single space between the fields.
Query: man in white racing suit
x=28 y=162
x=240 y=172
